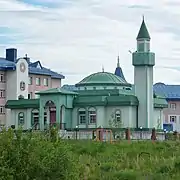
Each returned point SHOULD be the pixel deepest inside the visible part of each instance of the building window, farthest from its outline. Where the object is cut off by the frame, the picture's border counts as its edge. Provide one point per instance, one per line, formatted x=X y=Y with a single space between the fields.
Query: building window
x=92 y=115
x=82 y=116
x=22 y=86
x=2 y=110
x=2 y=93
x=173 y=106
x=35 y=119
x=30 y=95
x=20 y=97
x=30 y=80
x=2 y=78
x=115 y=87
x=172 y=119
x=118 y=116
x=45 y=81
x=37 y=96
x=85 y=88
x=38 y=81
x=105 y=87
x=94 y=88
x=21 y=118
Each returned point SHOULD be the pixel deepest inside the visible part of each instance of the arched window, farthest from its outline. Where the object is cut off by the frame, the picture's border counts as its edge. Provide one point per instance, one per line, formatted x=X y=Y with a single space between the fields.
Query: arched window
x=22 y=85
x=118 y=116
x=20 y=97
x=21 y=118
x=82 y=116
x=34 y=117
x=92 y=115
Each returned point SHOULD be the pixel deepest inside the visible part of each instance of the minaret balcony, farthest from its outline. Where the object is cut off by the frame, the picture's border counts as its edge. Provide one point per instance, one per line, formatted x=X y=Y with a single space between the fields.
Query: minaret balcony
x=143 y=59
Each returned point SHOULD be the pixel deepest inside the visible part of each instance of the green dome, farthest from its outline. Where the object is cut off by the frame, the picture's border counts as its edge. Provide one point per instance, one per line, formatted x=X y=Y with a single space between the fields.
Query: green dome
x=102 y=78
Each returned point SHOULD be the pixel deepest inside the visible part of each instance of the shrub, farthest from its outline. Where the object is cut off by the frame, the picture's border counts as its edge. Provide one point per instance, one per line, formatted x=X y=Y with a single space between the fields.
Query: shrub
x=31 y=156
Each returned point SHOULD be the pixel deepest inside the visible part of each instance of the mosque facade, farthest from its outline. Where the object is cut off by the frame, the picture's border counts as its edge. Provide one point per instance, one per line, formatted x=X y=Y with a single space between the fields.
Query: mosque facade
x=102 y=99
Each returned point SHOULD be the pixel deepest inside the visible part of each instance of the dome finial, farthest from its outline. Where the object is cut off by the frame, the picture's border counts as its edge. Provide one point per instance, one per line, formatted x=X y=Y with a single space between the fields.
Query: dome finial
x=143 y=17
x=102 y=68
x=118 y=64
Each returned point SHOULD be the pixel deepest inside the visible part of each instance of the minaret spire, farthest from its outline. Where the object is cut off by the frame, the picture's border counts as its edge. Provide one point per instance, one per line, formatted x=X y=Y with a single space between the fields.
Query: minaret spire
x=118 y=64
x=143 y=38
x=143 y=32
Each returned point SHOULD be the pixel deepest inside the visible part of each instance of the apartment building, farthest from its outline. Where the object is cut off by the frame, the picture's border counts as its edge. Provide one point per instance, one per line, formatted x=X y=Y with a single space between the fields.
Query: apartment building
x=21 y=78
x=172 y=95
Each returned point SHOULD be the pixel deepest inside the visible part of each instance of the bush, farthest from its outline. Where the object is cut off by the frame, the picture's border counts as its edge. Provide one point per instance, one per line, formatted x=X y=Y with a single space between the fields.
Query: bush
x=31 y=156
x=44 y=156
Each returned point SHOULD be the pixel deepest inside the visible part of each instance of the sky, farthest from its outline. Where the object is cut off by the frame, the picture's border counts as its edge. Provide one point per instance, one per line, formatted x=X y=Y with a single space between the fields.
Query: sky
x=79 y=37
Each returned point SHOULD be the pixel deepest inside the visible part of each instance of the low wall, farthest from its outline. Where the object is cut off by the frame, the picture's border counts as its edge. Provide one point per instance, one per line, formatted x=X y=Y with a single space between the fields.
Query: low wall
x=137 y=135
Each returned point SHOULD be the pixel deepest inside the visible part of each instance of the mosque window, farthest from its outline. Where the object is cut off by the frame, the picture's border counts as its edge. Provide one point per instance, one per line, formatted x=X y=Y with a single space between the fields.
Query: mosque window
x=82 y=116
x=21 y=118
x=118 y=116
x=92 y=115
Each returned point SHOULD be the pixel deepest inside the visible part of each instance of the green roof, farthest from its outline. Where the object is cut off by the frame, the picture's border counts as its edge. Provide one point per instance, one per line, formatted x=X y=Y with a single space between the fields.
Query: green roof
x=22 y=104
x=119 y=100
x=160 y=103
x=57 y=91
x=104 y=92
x=143 y=32
x=102 y=78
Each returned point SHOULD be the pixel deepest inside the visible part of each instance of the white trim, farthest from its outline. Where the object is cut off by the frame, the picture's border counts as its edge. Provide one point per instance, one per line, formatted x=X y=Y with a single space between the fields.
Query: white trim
x=172 y=115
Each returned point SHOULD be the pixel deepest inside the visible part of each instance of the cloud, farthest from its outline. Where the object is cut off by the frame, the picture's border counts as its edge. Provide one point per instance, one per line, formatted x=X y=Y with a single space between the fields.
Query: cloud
x=79 y=37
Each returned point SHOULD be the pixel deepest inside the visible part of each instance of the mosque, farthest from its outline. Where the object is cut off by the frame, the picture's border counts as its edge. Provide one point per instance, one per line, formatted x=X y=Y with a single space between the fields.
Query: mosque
x=100 y=99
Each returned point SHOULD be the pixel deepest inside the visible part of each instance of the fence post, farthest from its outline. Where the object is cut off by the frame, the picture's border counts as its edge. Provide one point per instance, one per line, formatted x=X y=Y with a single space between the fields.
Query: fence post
x=153 y=135
x=128 y=134
x=175 y=134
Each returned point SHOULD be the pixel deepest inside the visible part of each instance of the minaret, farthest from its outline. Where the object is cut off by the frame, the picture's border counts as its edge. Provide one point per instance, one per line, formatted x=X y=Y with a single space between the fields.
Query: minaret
x=143 y=62
x=118 y=71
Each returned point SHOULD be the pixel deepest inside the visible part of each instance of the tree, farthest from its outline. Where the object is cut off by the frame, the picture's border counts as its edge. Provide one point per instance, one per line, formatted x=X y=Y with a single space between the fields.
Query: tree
x=115 y=125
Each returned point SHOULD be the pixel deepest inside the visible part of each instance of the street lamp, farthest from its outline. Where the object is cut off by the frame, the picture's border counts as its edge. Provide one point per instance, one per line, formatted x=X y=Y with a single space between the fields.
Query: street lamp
x=76 y=129
x=140 y=132
x=165 y=137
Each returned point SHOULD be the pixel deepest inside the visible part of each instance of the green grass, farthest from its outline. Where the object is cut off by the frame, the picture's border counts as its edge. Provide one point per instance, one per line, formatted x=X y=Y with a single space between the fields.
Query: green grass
x=39 y=156
x=129 y=161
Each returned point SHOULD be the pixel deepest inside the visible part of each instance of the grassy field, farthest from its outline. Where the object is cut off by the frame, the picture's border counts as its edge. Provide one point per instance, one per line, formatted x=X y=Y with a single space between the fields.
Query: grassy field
x=130 y=161
x=45 y=157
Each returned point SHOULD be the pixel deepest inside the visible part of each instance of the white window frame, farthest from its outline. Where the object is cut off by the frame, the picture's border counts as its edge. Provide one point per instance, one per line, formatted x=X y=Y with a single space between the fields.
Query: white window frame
x=2 y=77
x=45 y=81
x=118 y=116
x=173 y=106
x=21 y=118
x=30 y=80
x=37 y=95
x=92 y=114
x=2 y=109
x=38 y=81
x=82 y=115
x=175 y=121
x=2 y=93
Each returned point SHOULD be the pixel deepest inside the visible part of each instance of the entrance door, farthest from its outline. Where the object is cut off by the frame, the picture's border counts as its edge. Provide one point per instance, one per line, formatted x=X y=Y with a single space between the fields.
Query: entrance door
x=52 y=117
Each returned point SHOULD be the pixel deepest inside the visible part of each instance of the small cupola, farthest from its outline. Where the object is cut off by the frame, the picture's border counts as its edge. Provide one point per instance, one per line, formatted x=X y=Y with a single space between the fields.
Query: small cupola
x=118 y=71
